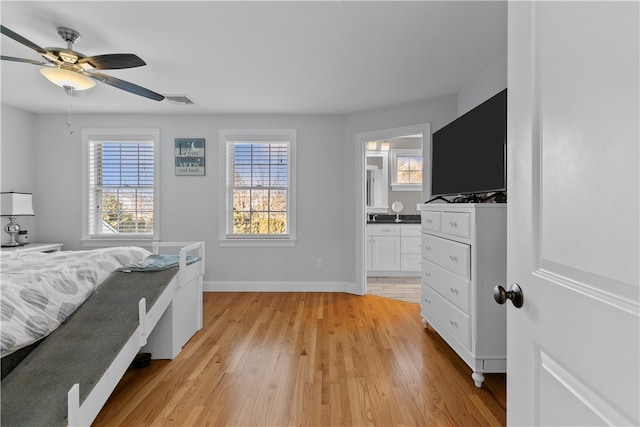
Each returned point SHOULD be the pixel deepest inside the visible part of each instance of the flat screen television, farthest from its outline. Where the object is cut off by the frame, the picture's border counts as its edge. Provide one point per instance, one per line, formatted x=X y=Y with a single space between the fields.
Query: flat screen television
x=469 y=154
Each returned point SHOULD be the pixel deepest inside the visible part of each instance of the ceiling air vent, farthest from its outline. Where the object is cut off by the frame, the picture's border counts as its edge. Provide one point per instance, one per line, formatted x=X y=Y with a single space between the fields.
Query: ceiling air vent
x=179 y=100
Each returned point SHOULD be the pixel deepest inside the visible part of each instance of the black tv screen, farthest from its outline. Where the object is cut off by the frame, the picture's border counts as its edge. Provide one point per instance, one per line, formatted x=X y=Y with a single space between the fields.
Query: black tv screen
x=469 y=154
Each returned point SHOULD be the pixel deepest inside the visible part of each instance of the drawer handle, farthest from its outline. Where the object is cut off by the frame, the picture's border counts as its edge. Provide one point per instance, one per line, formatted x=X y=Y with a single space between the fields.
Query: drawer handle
x=453 y=224
x=453 y=323
x=426 y=274
x=428 y=300
x=429 y=221
x=454 y=291
x=428 y=248
x=453 y=258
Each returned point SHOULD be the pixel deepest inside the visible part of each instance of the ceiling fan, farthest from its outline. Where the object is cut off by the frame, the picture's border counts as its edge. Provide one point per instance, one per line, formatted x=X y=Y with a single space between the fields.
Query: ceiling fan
x=74 y=71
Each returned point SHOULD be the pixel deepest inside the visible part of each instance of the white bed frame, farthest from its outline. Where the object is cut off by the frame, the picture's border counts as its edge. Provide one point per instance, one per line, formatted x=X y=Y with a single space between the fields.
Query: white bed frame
x=175 y=317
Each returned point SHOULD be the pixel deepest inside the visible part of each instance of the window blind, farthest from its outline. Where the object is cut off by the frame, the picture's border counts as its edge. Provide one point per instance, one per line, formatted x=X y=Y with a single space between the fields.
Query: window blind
x=259 y=188
x=121 y=175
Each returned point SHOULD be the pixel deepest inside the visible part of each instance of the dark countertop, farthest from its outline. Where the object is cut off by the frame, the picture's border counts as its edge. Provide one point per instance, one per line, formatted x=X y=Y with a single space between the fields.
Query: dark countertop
x=391 y=219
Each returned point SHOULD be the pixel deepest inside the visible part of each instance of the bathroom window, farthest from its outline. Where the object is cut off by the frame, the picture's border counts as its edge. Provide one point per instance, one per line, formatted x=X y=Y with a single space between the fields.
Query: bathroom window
x=406 y=170
x=259 y=204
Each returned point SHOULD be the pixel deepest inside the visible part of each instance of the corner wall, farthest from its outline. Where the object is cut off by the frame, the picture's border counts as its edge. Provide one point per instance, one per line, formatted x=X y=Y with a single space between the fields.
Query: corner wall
x=17 y=166
x=437 y=111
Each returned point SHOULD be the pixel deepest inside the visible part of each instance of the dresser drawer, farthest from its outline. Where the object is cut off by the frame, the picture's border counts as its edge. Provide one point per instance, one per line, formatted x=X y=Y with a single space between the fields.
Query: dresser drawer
x=430 y=220
x=454 y=256
x=383 y=229
x=452 y=319
x=456 y=223
x=452 y=287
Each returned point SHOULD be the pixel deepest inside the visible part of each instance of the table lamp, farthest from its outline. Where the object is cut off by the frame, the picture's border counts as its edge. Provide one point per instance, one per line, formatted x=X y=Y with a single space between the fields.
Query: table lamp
x=14 y=204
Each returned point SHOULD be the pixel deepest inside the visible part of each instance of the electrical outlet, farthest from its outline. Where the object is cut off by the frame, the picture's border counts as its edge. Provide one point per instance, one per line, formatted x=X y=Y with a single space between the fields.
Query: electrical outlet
x=319 y=263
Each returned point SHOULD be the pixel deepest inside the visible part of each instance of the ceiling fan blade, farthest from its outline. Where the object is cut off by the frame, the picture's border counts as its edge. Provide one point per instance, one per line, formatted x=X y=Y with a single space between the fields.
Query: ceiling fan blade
x=28 y=61
x=17 y=37
x=113 y=61
x=126 y=86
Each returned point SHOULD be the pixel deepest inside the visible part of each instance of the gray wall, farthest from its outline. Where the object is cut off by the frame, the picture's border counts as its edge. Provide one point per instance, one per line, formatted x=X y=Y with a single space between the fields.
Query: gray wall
x=189 y=208
x=483 y=86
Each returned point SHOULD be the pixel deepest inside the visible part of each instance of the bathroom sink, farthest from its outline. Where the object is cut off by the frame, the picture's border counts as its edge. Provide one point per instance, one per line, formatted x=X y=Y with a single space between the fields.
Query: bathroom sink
x=391 y=219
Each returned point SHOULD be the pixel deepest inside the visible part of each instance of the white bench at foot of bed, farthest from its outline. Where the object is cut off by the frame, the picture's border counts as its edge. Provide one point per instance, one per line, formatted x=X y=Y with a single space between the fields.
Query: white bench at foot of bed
x=163 y=331
x=183 y=317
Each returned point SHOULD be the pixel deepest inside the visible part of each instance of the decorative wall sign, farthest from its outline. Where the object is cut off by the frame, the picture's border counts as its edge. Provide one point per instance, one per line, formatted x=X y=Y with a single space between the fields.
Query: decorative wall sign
x=189 y=156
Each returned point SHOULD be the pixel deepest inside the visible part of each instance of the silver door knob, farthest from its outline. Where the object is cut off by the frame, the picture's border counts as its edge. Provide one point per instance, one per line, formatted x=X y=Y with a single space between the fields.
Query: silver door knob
x=514 y=294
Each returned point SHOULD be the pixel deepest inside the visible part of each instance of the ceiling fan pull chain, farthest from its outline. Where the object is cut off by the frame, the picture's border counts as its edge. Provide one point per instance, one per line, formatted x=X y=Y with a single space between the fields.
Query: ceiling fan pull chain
x=70 y=113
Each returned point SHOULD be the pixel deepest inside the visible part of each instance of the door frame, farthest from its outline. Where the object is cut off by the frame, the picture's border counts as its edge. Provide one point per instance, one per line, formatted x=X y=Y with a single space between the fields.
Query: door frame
x=361 y=139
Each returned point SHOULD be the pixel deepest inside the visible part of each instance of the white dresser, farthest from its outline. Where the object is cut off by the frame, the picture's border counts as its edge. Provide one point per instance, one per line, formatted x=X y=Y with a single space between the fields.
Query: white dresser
x=464 y=256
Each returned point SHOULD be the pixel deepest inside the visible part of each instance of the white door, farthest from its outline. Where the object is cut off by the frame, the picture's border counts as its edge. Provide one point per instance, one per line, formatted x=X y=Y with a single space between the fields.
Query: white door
x=573 y=214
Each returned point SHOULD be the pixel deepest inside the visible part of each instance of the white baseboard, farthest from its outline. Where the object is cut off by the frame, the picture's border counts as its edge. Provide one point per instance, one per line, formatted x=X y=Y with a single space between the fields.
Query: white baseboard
x=215 y=286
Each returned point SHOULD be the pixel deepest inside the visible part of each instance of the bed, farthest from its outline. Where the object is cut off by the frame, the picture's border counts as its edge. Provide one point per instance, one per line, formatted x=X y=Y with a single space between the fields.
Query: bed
x=134 y=301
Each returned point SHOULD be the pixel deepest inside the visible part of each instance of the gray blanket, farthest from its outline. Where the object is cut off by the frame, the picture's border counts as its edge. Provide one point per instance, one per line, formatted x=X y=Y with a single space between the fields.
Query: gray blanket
x=79 y=351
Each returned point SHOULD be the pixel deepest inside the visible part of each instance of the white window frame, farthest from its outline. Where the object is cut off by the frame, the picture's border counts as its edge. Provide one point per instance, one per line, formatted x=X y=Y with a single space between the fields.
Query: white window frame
x=230 y=136
x=404 y=152
x=98 y=240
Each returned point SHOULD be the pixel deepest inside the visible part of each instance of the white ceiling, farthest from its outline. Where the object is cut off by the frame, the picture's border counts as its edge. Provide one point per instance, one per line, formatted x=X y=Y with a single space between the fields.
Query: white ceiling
x=323 y=57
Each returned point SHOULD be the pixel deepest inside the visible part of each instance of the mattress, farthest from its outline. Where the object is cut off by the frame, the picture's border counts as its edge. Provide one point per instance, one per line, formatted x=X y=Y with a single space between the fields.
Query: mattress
x=39 y=291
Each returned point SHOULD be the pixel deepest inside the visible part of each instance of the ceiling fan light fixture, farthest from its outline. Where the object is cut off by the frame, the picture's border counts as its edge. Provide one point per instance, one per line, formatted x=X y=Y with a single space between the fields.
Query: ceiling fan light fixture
x=62 y=78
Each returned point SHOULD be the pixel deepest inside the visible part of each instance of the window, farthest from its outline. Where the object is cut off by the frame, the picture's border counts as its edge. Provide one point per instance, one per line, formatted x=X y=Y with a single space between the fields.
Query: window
x=259 y=204
x=120 y=185
x=406 y=170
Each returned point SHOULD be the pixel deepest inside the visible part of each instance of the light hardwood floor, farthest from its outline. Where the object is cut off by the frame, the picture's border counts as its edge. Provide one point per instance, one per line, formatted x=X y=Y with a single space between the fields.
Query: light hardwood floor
x=308 y=359
x=400 y=288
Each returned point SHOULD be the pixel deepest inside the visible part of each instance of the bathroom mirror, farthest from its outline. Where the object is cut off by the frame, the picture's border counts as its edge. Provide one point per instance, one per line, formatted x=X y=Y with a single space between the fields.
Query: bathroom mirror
x=397 y=208
x=377 y=182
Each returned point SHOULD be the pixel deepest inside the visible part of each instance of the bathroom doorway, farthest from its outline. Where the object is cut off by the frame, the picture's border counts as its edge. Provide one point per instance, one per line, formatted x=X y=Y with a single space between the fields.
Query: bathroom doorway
x=392 y=166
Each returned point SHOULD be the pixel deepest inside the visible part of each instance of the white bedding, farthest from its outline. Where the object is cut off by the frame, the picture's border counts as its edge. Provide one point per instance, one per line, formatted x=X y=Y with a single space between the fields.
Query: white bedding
x=38 y=291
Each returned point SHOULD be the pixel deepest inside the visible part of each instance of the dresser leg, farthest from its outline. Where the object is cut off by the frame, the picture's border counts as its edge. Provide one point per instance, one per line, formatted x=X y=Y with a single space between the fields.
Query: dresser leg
x=425 y=324
x=478 y=379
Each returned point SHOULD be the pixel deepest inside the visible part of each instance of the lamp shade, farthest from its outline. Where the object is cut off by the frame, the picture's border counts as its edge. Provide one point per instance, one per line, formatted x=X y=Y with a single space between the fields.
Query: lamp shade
x=16 y=204
x=62 y=78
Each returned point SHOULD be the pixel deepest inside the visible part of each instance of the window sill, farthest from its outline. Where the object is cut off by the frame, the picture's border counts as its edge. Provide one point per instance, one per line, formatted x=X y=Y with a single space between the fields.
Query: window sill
x=257 y=242
x=112 y=242
x=406 y=187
